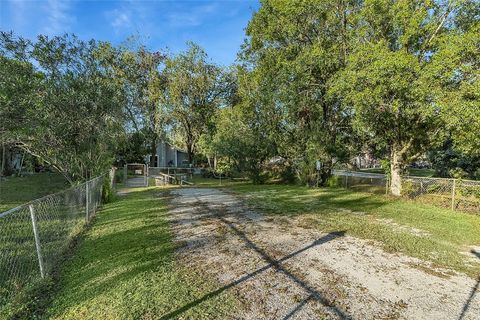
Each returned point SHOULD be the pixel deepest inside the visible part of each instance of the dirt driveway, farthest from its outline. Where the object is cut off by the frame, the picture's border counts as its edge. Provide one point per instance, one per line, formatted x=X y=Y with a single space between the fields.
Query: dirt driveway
x=284 y=268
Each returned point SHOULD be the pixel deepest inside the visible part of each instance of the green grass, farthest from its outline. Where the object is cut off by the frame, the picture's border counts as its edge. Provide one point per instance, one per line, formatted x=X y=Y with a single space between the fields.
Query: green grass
x=421 y=172
x=368 y=216
x=411 y=172
x=199 y=181
x=125 y=268
x=15 y=191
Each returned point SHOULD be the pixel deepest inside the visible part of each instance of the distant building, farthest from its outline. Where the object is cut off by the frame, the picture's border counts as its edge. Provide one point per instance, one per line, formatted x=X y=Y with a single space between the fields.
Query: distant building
x=365 y=160
x=169 y=156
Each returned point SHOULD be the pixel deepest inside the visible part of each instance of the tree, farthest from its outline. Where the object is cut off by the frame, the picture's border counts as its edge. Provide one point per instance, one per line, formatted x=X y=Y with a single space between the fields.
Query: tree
x=449 y=162
x=19 y=88
x=240 y=139
x=388 y=77
x=293 y=50
x=138 y=71
x=75 y=118
x=194 y=93
x=455 y=73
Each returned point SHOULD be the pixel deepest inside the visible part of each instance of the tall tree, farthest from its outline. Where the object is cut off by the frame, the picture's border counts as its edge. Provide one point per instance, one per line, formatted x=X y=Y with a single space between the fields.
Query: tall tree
x=194 y=93
x=138 y=70
x=73 y=122
x=455 y=73
x=19 y=94
x=388 y=78
x=294 y=49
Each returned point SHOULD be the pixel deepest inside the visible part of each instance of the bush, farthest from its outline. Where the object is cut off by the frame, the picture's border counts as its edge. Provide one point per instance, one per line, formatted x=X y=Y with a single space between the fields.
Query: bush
x=469 y=191
x=333 y=181
x=119 y=176
x=408 y=188
x=107 y=191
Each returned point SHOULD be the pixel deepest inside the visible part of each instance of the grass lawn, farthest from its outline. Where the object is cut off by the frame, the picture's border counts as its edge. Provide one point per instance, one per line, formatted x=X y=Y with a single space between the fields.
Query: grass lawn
x=199 y=181
x=15 y=191
x=423 y=231
x=124 y=268
x=411 y=172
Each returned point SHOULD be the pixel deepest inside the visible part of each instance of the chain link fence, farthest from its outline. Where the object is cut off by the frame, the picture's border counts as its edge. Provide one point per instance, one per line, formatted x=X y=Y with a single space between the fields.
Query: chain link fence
x=34 y=236
x=456 y=194
x=361 y=181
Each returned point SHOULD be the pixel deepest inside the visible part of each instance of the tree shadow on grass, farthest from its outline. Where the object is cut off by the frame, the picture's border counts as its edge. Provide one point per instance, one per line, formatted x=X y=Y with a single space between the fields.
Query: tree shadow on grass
x=475 y=288
x=301 y=200
x=271 y=263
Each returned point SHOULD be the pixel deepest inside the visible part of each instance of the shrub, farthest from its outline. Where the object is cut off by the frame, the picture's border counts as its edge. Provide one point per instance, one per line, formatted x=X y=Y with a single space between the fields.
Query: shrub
x=334 y=181
x=408 y=188
x=107 y=191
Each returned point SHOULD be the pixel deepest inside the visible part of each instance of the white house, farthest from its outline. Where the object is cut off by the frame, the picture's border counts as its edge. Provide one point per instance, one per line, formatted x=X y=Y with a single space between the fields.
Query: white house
x=169 y=156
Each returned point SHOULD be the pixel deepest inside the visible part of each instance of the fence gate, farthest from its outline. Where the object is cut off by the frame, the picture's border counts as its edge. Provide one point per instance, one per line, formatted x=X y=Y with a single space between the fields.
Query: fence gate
x=136 y=175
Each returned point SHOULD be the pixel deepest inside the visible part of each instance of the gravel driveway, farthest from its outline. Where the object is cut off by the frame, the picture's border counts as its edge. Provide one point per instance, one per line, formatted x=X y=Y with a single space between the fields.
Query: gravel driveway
x=285 y=268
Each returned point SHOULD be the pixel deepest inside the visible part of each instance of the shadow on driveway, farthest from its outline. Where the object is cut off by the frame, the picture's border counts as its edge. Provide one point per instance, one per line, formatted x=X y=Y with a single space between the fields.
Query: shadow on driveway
x=472 y=294
x=277 y=265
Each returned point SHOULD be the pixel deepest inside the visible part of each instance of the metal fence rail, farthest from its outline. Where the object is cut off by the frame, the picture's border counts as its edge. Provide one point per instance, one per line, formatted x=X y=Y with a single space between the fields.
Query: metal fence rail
x=456 y=194
x=362 y=181
x=171 y=175
x=34 y=236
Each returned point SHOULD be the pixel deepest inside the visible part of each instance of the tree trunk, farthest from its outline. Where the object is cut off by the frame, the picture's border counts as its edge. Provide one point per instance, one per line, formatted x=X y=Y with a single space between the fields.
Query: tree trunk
x=396 y=165
x=153 y=152
x=4 y=159
x=190 y=153
x=325 y=172
x=208 y=161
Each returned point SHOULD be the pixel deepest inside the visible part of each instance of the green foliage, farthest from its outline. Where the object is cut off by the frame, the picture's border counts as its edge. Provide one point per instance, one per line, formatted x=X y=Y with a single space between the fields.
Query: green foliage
x=138 y=72
x=194 y=93
x=450 y=162
x=405 y=72
x=239 y=142
x=27 y=301
x=454 y=77
x=385 y=164
x=408 y=188
x=134 y=148
x=293 y=50
x=68 y=113
x=108 y=194
x=334 y=181
x=468 y=191
x=119 y=175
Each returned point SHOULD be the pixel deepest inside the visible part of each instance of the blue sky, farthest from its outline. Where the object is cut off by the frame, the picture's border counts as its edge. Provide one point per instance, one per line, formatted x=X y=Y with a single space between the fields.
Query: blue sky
x=218 y=26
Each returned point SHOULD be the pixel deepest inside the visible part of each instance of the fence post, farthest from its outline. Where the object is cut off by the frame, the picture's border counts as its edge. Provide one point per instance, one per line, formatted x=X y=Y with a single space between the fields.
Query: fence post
x=86 y=201
x=125 y=177
x=145 y=176
x=386 y=185
x=346 y=181
x=37 y=240
x=453 y=195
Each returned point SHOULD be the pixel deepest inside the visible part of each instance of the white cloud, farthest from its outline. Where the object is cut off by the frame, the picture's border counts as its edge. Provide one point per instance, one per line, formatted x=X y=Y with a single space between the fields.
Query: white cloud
x=120 y=19
x=58 y=17
x=193 y=17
